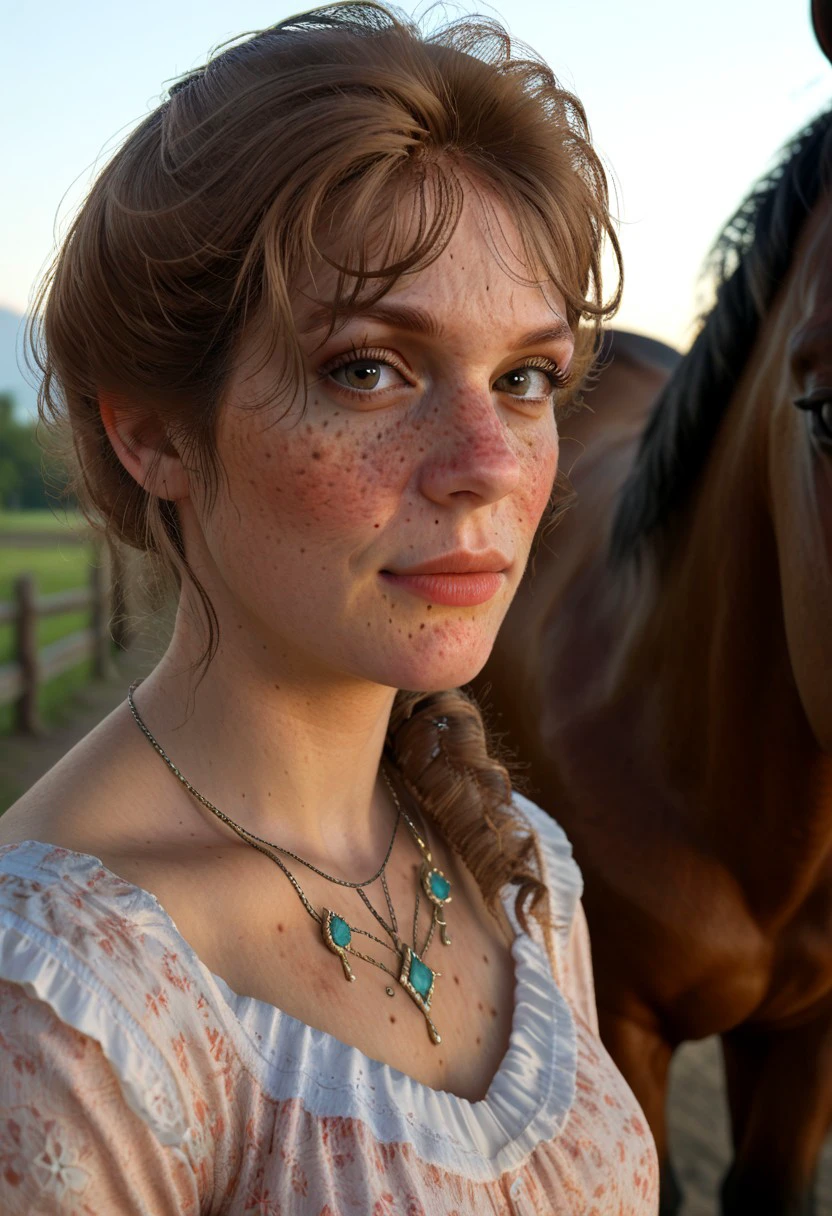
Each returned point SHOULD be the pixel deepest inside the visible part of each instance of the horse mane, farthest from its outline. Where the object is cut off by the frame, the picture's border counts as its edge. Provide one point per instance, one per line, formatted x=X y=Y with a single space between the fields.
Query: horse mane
x=748 y=262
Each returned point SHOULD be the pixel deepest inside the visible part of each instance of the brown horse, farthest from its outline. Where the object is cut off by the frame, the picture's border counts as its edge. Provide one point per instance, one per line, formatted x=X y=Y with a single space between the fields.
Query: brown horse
x=666 y=671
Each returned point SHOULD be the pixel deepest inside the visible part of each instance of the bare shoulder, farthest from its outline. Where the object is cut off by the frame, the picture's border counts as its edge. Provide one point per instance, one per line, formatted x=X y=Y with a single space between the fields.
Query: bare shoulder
x=83 y=802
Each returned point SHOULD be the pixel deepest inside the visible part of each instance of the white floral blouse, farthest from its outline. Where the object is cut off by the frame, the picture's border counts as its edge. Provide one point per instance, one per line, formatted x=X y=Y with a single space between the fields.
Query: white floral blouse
x=133 y=1080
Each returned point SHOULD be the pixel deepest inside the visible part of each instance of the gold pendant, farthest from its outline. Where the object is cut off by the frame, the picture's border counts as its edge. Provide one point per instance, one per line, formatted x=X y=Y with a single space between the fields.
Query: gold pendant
x=418 y=980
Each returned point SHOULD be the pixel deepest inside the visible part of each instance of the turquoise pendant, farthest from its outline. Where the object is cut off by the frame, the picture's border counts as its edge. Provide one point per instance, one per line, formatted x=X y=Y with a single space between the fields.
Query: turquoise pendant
x=418 y=981
x=438 y=890
x=337 y=935
x=435 y=885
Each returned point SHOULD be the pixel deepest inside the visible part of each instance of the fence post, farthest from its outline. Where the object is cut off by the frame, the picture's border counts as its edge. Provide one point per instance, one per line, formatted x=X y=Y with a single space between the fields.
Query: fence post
x=100 y=615
x=26 y=645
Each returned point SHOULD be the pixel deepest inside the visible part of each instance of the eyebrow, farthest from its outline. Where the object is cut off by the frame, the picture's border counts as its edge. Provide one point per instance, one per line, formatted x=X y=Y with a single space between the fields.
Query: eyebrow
x=410 y=317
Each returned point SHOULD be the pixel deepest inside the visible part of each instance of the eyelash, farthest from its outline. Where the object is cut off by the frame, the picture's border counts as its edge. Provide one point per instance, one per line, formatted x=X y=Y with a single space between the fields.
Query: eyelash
x=558 y=378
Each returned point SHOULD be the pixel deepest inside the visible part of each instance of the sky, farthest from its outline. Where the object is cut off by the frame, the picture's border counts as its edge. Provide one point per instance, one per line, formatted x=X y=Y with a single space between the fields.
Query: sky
x=688 y=105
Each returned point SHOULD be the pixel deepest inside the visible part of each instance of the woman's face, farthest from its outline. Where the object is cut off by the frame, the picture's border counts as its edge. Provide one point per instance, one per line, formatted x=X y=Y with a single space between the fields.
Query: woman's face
x=428 y=431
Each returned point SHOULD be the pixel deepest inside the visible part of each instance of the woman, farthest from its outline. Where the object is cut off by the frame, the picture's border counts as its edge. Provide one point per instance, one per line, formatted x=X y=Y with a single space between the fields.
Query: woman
x=277 y=936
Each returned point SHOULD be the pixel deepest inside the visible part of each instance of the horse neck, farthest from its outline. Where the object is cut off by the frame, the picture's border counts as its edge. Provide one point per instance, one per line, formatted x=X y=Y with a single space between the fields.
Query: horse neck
x=706 y=635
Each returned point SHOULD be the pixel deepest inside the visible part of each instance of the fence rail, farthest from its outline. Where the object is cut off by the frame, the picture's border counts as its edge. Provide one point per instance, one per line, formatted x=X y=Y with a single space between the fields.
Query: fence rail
x=103 y=598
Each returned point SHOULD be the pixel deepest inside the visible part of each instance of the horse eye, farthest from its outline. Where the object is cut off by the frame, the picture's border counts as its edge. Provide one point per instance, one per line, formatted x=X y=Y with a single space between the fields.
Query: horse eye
x=819 y=405
x=824 y=417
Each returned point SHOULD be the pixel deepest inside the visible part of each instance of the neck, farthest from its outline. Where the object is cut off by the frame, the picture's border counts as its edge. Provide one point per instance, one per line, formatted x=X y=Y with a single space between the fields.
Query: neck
x=289 y=751
x=726 y=715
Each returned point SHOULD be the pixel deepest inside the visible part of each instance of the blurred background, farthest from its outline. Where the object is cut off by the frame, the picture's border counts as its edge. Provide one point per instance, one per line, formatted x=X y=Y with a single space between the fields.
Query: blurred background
x=688 y=105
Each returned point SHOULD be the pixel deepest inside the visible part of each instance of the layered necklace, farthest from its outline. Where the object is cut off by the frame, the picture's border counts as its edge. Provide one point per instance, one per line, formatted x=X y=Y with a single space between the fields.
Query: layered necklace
x=337 y=934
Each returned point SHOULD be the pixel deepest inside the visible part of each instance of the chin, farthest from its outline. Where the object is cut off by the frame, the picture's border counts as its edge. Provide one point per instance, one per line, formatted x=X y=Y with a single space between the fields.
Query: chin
x=433 y=671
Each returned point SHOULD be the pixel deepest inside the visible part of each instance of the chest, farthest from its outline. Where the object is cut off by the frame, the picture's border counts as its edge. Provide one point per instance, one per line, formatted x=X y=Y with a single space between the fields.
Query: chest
x=248 y=926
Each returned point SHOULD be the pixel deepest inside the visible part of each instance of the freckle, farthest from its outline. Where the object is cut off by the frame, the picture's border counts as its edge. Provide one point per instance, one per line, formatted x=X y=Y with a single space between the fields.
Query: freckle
x=493 y=1012
x=279 y=928
x=265 y=647
x=338 y=434
x=422 y=625
x=277 y=686
x=303 y=550
x=429 y=607
x=316 y=455
x=389 y=620
x=480 y=1006
x=485 y=958
x=486 y=287
x=456 y=979
x=392 y=1017
x=479 y=1040
x=327 y=421
x=410 y=635
x=268 y=455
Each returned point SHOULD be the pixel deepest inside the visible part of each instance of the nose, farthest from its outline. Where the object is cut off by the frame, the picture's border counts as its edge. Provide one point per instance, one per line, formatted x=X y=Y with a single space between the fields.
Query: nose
x=472 y=452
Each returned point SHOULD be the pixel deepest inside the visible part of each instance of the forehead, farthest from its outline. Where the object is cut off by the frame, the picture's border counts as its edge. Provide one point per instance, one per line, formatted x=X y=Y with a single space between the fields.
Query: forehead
x=483 y=276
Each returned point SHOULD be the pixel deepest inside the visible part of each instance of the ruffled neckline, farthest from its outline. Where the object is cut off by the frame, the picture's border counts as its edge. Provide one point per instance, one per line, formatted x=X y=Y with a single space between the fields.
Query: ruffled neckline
x=529 y=1097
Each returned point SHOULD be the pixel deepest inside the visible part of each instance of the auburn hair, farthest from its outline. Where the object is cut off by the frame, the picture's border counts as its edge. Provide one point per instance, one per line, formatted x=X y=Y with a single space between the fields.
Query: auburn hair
x=347 y=133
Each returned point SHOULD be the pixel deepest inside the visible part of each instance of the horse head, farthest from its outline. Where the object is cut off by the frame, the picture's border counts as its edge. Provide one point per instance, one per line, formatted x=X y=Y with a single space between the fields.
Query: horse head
x=800 y=464
x=742 y=431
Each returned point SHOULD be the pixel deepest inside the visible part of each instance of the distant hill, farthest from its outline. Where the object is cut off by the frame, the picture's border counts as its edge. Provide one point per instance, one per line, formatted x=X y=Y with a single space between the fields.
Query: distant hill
x=14 y=375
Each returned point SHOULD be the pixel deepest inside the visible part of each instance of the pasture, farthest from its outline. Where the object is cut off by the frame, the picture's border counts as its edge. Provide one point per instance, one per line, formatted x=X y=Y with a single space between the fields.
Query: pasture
x=59 y=567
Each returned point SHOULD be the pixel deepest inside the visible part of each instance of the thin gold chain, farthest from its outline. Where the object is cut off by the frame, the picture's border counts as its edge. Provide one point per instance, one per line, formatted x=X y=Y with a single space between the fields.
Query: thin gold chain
x=269 y=849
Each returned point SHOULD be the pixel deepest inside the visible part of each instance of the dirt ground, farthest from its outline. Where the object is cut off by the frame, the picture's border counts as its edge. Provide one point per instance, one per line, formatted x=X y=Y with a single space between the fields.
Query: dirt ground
x=699 y=1130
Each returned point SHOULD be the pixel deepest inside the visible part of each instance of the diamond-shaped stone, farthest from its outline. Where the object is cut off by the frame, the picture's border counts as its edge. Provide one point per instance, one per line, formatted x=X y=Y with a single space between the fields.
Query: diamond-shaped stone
x=421 y=976
x=439 y=885
x=339 y=931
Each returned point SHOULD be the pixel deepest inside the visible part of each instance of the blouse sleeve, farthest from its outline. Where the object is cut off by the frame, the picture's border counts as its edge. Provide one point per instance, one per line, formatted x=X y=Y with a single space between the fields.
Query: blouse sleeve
x=69 y=1143
x=576 y=970
x=115 y=1077
x=565 y=883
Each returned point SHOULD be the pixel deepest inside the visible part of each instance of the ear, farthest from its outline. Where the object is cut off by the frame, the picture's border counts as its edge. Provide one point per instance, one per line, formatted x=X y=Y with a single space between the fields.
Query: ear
x=822 y=21
x=144 y=448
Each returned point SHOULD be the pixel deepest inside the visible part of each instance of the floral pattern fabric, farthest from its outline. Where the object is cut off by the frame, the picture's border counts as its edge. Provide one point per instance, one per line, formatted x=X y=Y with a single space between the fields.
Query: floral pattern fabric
x=133 y=1081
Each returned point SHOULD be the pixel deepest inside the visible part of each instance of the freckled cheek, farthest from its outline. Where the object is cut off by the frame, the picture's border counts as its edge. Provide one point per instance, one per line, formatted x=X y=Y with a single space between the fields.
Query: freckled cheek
x=540 y=463
x=325 y=482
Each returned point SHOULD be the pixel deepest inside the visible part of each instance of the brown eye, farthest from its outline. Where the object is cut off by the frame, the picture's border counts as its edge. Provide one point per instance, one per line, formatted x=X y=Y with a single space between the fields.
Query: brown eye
x=364 y=373
x=531 y=382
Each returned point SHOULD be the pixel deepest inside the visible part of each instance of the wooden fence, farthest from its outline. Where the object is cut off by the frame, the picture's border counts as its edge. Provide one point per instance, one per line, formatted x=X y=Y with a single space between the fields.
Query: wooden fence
x=30 y=668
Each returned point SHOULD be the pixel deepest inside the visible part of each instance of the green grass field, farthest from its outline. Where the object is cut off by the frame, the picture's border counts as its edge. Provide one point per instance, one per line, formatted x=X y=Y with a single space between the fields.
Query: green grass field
x=58 y=568
x=40 y=521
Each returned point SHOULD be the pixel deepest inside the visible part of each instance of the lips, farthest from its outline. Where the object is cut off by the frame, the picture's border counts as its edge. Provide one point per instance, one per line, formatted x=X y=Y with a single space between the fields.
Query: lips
x=460 y=561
